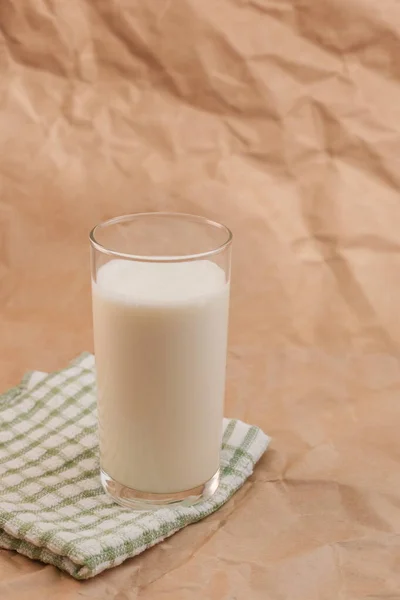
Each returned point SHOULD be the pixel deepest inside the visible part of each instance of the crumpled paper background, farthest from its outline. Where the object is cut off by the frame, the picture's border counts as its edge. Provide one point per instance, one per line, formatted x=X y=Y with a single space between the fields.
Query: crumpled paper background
x=280 y=118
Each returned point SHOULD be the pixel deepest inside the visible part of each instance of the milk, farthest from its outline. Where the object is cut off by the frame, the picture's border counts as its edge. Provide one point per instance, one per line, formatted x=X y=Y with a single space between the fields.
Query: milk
x=160 y=344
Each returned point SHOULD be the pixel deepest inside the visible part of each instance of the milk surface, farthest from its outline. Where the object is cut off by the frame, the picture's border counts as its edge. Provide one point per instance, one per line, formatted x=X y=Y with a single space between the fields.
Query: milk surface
x=160 y=345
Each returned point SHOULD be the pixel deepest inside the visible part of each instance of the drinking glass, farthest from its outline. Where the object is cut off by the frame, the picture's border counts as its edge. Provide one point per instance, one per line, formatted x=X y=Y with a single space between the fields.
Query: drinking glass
x=160 y=291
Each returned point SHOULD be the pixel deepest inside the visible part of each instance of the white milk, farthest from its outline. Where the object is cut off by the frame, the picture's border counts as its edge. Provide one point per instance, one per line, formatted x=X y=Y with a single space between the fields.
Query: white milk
x=160 y=344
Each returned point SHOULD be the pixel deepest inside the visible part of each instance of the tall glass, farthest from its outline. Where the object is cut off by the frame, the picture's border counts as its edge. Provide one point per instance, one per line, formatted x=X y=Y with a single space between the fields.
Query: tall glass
x=160 y=289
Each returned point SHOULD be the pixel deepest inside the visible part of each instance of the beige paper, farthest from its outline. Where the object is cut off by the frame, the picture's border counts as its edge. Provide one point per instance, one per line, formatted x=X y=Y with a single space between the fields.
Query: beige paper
x=280 y=118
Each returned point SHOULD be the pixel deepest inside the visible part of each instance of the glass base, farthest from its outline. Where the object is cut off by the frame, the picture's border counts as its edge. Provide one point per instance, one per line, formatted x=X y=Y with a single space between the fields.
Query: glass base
x=131 y=498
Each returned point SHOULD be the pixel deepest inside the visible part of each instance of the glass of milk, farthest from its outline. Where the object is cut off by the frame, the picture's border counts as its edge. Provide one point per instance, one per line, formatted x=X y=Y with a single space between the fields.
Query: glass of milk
x=160 y=289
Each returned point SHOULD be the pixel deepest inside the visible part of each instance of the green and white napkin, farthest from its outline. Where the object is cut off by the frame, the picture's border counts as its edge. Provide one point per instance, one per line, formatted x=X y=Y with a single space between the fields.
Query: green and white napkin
x=52 y=506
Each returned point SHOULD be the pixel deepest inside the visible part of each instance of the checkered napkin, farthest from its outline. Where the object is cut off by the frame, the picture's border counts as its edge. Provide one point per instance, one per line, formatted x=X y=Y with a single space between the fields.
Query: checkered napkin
x=52 y=506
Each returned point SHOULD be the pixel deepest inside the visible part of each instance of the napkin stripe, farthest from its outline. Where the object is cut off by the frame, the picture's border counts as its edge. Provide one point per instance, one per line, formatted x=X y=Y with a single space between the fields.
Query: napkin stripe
x=70 y=402
x=40 y=402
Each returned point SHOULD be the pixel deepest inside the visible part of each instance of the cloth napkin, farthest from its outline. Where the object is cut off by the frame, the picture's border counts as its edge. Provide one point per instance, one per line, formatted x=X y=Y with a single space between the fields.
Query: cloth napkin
x=52 y=506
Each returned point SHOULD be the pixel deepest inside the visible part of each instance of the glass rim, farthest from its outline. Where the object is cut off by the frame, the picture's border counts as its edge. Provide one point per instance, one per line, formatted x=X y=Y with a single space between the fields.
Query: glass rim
x=163 y=258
